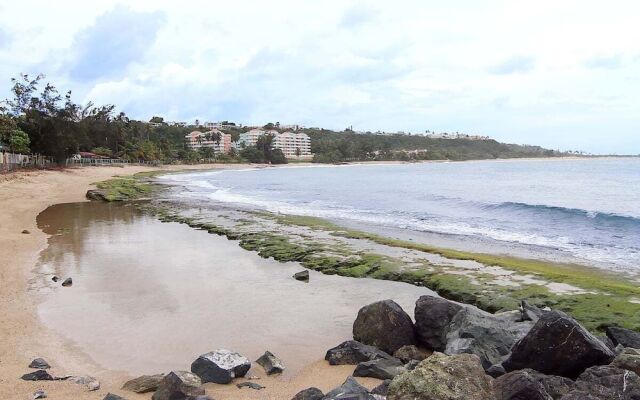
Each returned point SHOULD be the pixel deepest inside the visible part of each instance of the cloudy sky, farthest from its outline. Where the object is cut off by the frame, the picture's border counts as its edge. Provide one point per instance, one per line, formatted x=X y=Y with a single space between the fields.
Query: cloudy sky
x=562 y=74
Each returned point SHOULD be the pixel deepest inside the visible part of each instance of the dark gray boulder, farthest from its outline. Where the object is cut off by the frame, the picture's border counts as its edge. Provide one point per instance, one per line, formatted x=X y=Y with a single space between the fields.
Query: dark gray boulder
x=628 y=359
x=270 y=363
x=530 y=384
x=111 y=396
x=433 y=315
x=578 y=395
x=382 y=389
x=178 y=385
x=496 y=370
x=311 y=393
x=607 y=382
x=385 y=325
x=558 y=345
x=473 y=331
x=625 y=337
x=352 y=352
x=410 y=352
x=349 y=390
x=302 y=276
x=530 y=312
x=39 y=375
x=220 y=366
x=67 y=282
x=144 y=383
x=380 y=368
x=39 y=363
x=607 y=342
x=250 y=385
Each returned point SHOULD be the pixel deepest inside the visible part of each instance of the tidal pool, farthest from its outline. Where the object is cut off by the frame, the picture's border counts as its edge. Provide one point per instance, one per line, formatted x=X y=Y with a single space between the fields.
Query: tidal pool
x=150 y=297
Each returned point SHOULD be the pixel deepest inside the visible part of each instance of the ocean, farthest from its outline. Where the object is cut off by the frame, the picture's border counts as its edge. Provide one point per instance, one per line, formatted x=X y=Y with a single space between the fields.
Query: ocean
x=588 y=209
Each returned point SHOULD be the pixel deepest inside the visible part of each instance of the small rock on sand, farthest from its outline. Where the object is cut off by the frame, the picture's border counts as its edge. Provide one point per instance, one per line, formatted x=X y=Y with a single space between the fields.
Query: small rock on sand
x=39 y=363
x=55 y=278
x=144 y=383
x=111 y=396
x=39 y=375
x=40 y=394
x=302 y=276
x=25 y=232
x=312 y=393
x=220 y=366
x=67 y=282
x=89 y=382
x=270 y=363
x=250 y=385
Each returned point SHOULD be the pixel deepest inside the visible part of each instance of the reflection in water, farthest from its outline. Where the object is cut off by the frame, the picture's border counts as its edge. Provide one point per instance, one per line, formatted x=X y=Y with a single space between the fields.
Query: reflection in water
x=149 y=297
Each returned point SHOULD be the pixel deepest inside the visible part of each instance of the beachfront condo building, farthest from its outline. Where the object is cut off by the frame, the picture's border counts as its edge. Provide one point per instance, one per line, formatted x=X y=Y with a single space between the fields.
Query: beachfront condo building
x=293 y=145
x=197 y=139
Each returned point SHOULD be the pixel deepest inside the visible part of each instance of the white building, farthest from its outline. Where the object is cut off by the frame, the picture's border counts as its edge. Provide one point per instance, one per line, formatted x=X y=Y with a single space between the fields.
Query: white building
x=197 y=139
x=293 y=145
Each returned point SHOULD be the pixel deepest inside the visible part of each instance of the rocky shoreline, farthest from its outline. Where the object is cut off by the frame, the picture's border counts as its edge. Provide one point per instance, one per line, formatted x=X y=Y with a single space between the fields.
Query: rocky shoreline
x=451 y=352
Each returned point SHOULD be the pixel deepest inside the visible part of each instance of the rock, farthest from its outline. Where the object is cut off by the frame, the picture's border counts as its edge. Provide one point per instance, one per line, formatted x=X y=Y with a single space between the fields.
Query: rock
x=496 y=370
x=25 y=232
x=385 y=325
x=578 y=395
x=144 y=383
x=270 y=363
x=111 y=396
x=608 y=383
x=625 y=337
x=628 y=359
x=89 y=382
x=40 y=394
x=352 y=353
x=474 y=331
x=530 y=312
x=95 y=195
x=380 y=369
x=39 y=375
x=178 y=385
x=383 y=388
x=311 y=393
x=410 y=352
x=607 y=342
x=433 y=315
x=39 y=363
x=411 y=365
x=558 y=345
x=349 y=390
x=301 y=276
x=67 y=282
x=220 y=366
x=55 y=278
x=250 y=385
x=530 y=384
x=442 y=377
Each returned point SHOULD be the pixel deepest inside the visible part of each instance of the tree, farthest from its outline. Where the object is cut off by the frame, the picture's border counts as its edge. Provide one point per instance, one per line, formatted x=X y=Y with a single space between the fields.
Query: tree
x=253 y=155
x=156 y=120
x=19 y=142
x=277 y=157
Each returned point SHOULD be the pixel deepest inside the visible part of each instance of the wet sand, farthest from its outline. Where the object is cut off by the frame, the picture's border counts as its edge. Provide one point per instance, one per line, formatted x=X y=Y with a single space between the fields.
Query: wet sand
x=164 y=293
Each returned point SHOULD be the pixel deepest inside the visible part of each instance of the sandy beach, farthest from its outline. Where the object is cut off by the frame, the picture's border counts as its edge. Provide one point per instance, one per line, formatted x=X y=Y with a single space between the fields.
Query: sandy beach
x=23 y=195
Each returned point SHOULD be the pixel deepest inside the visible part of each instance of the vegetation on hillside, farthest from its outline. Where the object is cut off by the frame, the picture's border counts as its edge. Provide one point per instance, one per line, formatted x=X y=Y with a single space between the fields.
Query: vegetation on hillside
x=38 y=119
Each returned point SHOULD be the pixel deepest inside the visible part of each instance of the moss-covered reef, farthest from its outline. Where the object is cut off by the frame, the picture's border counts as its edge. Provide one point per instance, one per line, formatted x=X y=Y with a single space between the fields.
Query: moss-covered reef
x=125 y=188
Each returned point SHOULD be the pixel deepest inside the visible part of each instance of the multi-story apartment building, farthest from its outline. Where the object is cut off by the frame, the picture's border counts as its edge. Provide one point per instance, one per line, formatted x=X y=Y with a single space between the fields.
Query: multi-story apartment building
x=197 y=139
x=250 y=138
x=293 y=144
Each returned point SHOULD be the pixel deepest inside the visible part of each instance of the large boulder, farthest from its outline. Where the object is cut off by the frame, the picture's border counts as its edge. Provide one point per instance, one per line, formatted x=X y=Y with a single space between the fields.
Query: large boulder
x=178 y=385
x=433 y=315
x=609 y=383
x=270 y=363
x=144 y=383
x=624 y=337
x=442 y=377
x=628 y=359
x=477 y=332
x=385 y=325
x=352 y=353
x=529 y=384
x=312 y=393
x=380 y=368
x=349 y=390
x=220 y=366
x=410 y=353
x=558 y=345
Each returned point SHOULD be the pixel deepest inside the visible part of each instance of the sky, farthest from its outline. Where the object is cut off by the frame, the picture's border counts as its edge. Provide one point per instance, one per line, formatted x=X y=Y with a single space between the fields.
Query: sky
x=561 y=74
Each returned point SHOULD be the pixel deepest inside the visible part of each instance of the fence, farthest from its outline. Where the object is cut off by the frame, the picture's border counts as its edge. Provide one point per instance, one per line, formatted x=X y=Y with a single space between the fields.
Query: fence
x=10 y=161
x=71 y=162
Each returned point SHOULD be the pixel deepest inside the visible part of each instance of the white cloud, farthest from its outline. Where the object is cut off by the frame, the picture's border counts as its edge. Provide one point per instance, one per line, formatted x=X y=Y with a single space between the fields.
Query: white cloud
x=559 y=74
